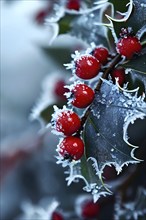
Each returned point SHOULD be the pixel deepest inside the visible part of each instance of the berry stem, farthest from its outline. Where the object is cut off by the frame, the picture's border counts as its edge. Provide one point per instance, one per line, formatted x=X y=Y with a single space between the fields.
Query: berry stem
x=108 y=70
x=105 y=74
x=143 y=44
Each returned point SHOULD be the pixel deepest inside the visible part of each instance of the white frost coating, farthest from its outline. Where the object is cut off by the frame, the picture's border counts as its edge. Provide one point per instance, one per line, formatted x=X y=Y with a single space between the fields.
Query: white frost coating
x=86 y=11
x=131 y=210
x=93 y=188
x=128 y=121
x=101 y=2
x=71 y=87
x=127 y=14
x=124 y=88
x=65 y=163
x=90 y=49
x=38 y=212
x=78 y=55
x=141 y=32
x=59 y=12
x=57 y=113
x=75 y=174
x=128 y=70
x=54 y=29
x=69 y=95
x=117 y=167
x=75 y=56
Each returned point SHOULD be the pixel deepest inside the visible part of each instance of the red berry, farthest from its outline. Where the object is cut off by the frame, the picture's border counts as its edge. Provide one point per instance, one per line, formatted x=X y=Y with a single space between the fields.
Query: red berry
x=59 y=89
x=87 y=67
x=128 y=46
x=73 y=5
x=83 y=96
x=120 y=74
x=90 y=209
x=71 y=148
x=40 y=17
x=57 y=216
x=101 y=54
x=68 y=123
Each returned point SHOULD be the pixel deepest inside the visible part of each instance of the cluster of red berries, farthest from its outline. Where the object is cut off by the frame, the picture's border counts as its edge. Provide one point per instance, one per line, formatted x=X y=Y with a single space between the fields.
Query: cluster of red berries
x=87 y=67
x=68 y=123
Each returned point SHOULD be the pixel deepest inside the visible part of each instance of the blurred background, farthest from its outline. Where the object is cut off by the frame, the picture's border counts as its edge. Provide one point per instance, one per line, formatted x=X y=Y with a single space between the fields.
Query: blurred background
x=28 y=165
x=32 y=64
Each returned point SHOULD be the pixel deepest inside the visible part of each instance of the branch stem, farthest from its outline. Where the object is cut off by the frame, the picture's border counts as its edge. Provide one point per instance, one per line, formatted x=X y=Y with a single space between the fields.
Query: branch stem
x=108 y=70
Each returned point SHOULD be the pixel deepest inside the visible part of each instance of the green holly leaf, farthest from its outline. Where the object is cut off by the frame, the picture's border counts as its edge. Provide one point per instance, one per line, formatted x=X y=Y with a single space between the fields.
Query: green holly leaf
x=119 y=5
x=44 y=114
x=138 y=64
x=65 y=23
x=136 y=20
x=85 y=170
x=136 y=80
x=105 y=133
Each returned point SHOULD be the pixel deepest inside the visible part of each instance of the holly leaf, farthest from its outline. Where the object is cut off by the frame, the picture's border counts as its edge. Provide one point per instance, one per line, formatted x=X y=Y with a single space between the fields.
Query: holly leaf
x=136 y=79
x=105 y=133
x=65 y=23
x=138 y=64
x=135 y=210
x=86 y=28
x=136 y=20
x=56 y=54
x=85 y=170
x=46 y=113
x=119 y=6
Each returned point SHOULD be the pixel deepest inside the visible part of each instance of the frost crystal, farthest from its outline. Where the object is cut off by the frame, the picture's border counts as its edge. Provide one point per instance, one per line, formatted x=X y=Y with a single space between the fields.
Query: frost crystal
x=126 y=14
x=38 y=212
x=93 y=184
x=134 y=210
x=57 y=113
